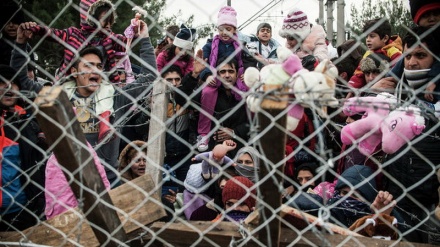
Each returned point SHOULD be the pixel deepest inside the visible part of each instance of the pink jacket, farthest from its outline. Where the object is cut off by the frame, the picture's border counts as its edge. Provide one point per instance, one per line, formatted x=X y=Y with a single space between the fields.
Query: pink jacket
x=59 y=196
x=314 y=44
x=162 y=62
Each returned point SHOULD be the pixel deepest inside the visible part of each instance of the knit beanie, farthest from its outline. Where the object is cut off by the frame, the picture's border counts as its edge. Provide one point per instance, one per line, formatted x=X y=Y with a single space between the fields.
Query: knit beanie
x=295 y=25
x=263 y=25
x=185 y=37
x=355 y=175
x=420 y=7
x=237 y=188
x=227 y=16
x=375 y=63
x=7 y=73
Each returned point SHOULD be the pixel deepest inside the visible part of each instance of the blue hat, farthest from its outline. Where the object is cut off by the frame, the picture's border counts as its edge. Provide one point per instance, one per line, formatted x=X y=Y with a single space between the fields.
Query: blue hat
x=185 y=37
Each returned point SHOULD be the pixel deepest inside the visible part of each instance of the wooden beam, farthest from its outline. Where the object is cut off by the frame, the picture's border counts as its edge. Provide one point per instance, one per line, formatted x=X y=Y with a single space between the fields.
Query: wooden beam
x=202 y=233
x=157 y=131
x=273 y=143
x=136 y=207
x=58 y=122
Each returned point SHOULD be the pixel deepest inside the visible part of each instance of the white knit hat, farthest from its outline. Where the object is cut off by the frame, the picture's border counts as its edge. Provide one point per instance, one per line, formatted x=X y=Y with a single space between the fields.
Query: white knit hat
x=295 y=25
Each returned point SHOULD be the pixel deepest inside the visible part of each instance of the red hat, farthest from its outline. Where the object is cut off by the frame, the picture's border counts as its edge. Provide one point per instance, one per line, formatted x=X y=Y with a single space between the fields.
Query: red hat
x=238 y=188
x=420 y=7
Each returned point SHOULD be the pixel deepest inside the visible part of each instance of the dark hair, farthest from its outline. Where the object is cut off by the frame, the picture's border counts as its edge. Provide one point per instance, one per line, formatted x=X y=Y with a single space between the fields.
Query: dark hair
x=7 y=73
x=383 y=29
x=88 y=50
x=230 y=60
x=11 y=11
x=426 y=35
x=347 y=65
x=170 y=69
x=263 y=25
x=171 y=53
x=171 y=31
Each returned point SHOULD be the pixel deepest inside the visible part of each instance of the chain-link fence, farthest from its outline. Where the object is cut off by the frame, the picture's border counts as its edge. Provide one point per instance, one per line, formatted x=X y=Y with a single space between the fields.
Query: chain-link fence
x=274 y=156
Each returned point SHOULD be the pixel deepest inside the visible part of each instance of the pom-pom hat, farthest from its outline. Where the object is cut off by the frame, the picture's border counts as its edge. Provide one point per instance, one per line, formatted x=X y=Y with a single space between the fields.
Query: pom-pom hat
x=295 y=25
x=227 y=16
x=185 y=37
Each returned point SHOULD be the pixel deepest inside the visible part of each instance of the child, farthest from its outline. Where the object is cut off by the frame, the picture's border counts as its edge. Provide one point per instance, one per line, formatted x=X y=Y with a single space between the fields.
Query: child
x=239 y=199
x=177 y=52
x=97 y=17
x=305 y=40
x=379 y=41
x=224 y=44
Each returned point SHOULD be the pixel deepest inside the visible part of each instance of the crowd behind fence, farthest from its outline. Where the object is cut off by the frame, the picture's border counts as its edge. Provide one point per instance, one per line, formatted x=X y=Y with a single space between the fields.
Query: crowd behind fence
x=249 y=141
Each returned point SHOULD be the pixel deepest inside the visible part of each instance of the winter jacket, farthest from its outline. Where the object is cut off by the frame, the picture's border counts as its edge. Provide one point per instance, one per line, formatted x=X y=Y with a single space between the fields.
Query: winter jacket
x=22 y=170
x=393 y=50
x=254 y=43
x=314 y=44
x=59 y=195
x=163 y=62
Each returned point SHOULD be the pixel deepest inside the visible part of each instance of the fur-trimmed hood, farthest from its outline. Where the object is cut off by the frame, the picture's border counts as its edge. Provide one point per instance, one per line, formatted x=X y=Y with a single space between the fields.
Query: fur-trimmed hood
x=88 y=10
x=127 y=154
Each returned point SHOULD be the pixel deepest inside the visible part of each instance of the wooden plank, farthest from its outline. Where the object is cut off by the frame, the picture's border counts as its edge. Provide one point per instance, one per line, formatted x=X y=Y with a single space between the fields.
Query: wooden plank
x=202 y=233
x=273 y=144
x=57 y=120
x=157 y=131
x=136 y=207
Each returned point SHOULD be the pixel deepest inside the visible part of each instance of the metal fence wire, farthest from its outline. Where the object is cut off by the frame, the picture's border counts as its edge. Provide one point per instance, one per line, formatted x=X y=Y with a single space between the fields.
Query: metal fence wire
x=287 y=154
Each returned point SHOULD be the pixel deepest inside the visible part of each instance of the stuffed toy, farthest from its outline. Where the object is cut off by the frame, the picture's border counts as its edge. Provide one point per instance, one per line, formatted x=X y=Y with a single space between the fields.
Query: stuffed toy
x=380 y=124
x=320 y=84
x=382 y=226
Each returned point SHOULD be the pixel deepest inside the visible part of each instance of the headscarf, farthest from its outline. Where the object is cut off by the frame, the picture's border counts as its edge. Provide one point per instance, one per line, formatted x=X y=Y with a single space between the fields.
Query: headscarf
x=248 y=171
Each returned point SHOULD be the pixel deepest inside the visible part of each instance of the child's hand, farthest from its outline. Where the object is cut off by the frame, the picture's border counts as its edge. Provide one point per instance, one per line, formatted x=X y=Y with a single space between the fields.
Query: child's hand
x=210 y=81
x=383 y=202
x=23 y=32
x=171 y=197
x=199 y=64
x=428 y=95
x=230 y=145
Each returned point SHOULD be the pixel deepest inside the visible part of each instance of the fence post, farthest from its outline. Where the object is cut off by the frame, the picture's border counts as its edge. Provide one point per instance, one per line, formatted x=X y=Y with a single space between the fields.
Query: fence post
x=57 y=120
x=156 y=134
x=273 y=142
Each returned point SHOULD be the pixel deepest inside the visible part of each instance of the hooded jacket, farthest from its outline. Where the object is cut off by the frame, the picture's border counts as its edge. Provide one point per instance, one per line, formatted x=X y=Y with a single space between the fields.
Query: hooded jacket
x=75 y=39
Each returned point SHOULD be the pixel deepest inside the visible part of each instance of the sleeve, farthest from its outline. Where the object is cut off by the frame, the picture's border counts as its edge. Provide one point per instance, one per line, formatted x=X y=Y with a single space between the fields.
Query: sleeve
x=100 y=167
x=53 y=33
x=358 y=78
x=397 y=70
x=148 y=64
x=161 y=61
x=194 y=181
x=206 y=54
x=116 y=45
x=19 y=61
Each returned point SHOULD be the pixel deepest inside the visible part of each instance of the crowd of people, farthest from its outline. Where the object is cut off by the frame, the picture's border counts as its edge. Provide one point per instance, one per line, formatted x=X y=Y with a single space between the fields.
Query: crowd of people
x=211 y=165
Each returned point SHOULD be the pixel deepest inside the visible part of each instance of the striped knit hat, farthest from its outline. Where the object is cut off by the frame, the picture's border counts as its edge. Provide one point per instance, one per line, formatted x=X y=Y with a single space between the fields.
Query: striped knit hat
x=295 y=25
x=185 y=37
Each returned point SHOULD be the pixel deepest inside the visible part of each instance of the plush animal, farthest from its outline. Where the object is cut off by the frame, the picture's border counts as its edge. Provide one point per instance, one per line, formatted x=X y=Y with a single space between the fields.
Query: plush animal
x=308 y=87
x=382 y=226
x=380 y=124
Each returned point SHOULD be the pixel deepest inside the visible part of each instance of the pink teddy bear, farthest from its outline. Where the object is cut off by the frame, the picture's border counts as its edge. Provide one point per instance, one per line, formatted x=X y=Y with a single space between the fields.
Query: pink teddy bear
x=380 y=125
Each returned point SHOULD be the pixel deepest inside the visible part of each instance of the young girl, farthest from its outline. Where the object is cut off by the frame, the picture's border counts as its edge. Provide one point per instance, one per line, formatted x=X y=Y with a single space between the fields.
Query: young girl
x=177 y=52
x=307 y=42
x=225 y=43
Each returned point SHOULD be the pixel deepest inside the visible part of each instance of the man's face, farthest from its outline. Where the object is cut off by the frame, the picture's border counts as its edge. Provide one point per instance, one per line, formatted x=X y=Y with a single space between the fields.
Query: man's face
x=88 y=78
x=173 y=78
x=374 y=41
x=417 y=58
x=264 y=35
x=228 y=75
x=8 y=94
x=11 y=29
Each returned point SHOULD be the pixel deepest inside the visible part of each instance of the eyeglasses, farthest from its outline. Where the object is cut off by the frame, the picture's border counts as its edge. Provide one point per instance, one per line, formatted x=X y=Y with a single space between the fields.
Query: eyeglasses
x=177 y=79
x=265 y=30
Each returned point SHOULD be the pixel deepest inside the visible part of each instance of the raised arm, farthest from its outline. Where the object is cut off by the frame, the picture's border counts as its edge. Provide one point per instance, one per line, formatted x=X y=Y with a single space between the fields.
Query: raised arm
x=20 y=58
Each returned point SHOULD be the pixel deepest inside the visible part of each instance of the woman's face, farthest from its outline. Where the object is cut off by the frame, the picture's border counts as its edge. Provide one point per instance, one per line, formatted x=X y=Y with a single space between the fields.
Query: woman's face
x=245 y=159
x=138 y=164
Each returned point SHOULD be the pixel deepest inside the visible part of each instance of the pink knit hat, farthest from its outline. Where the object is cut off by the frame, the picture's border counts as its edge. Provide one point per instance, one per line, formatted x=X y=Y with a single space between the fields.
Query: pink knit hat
x=295 y=25
x=227 y=16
